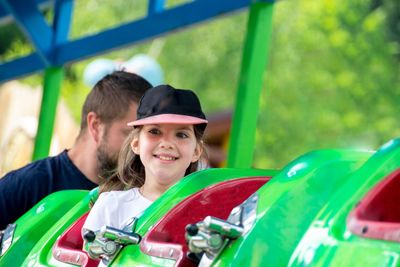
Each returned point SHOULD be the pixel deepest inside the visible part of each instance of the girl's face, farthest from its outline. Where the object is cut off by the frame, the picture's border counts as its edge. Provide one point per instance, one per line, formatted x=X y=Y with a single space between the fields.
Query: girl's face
x=166 y=151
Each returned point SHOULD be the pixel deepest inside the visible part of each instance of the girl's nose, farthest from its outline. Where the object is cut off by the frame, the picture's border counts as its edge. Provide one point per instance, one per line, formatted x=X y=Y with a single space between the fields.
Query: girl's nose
x=166 y=143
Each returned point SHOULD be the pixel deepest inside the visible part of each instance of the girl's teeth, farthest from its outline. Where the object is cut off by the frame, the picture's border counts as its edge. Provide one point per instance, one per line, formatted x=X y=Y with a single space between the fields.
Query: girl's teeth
x=166 y=158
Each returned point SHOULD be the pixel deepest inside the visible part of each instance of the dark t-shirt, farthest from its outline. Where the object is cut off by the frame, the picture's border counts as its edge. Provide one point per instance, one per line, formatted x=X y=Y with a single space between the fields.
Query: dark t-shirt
x=21 y=189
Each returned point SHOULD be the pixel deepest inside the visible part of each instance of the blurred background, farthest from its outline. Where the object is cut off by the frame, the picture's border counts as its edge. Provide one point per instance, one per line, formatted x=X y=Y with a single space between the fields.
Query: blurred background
x=332 y=80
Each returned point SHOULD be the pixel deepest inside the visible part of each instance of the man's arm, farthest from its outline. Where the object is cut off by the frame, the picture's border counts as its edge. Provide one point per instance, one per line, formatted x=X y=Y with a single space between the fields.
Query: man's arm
x=20 y=190
x=12 y=199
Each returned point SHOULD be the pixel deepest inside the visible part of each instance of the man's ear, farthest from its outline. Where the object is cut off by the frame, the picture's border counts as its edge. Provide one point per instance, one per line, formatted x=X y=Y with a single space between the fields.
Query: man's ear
x=197 y=152
x=94 y=126
x=135 y=145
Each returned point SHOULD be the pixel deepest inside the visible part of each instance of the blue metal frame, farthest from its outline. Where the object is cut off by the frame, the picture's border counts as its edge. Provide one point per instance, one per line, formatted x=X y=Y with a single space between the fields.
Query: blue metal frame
x=6 y=17
x=52 y=47
x=35 y=27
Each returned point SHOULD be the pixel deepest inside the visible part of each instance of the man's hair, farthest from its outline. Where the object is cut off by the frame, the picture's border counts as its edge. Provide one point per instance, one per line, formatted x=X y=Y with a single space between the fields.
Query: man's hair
x=112 y=96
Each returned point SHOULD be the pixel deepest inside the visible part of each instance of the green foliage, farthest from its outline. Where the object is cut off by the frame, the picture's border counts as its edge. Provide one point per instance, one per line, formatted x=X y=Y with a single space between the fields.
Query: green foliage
x=333 y=81
x=207 y=59
x=92 y=16
x=17 y=45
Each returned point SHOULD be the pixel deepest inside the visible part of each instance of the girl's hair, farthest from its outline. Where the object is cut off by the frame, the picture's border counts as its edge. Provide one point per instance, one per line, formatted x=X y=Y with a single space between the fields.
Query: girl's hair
x=130 y=172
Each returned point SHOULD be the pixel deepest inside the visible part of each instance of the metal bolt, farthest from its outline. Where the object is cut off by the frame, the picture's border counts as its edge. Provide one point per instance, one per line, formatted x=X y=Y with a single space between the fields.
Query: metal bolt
x=364 y=229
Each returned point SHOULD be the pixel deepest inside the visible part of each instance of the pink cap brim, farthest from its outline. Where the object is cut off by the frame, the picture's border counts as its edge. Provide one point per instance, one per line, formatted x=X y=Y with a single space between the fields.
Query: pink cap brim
x=168 y=118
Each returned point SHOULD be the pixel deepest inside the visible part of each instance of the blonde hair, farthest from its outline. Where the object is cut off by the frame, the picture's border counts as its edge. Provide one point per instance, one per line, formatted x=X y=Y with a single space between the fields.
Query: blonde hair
x=130 y=171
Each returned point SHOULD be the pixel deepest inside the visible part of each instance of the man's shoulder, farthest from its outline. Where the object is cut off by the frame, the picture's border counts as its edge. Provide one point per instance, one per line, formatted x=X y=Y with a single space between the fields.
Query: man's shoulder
x=38 y=168
x=52 y=173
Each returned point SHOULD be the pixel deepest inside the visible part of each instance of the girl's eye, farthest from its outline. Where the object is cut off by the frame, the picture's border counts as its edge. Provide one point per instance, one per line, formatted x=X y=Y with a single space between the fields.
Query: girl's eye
x=182 y=135
x=155 y=131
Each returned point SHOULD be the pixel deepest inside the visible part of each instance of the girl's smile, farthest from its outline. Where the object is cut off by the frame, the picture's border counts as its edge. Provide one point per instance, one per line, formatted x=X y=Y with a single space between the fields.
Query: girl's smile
x=166 y=157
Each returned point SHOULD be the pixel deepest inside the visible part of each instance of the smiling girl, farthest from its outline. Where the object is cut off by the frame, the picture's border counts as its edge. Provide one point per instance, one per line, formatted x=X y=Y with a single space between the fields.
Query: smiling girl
x=164 y=146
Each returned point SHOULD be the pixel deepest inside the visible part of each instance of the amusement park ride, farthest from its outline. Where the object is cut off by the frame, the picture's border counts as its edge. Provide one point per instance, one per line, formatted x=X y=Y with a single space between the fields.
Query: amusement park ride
x=325 y=208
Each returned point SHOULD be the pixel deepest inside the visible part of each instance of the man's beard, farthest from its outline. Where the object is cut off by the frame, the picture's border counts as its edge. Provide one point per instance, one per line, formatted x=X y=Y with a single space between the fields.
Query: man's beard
x=107 y=163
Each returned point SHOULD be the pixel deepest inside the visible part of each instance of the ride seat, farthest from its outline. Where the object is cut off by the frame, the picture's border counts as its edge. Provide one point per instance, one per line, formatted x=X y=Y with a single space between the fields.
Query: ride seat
x=167 y=238
x=68 y=247
x=377 y=215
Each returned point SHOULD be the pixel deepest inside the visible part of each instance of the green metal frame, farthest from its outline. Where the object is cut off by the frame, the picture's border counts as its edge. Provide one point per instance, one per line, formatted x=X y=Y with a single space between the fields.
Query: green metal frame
x=255 y=56
x=51 y=90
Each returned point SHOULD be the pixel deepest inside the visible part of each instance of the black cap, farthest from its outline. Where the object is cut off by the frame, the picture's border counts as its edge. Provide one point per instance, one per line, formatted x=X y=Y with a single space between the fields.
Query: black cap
x=165 y=104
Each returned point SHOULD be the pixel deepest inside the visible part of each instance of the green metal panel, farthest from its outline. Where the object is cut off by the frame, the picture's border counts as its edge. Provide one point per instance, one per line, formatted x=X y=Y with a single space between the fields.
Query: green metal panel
x=51 y=90
x=132 y=255
x=329 y=242
x=254 y=62
x=288 y=204
x=52 y=212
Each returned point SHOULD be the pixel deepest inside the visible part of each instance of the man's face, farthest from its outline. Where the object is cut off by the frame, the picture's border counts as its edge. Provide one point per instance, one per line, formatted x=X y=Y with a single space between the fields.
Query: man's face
x=111 y=142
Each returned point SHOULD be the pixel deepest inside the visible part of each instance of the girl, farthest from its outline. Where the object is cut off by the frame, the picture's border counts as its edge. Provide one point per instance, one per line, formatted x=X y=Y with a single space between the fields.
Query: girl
x=164 y=146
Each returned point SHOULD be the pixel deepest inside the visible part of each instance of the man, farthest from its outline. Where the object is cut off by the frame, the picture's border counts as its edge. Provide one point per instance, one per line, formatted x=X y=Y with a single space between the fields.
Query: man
x=108 y=108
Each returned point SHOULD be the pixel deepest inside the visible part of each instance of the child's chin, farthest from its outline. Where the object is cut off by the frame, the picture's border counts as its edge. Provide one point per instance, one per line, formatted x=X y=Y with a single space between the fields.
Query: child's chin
x=168 y=181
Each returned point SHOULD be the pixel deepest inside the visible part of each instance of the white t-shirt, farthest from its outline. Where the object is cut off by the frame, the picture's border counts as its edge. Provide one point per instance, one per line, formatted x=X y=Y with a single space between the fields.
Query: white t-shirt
x=116 y=209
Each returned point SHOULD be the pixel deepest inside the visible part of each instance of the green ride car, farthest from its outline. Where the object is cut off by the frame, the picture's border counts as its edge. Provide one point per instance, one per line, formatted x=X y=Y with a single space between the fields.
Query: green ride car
x=35 y=238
